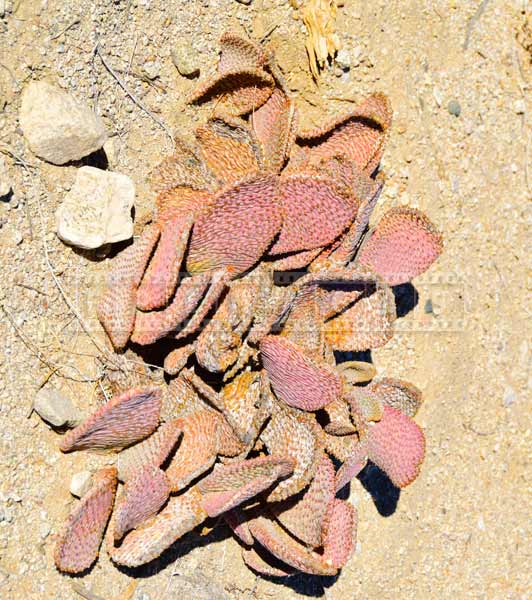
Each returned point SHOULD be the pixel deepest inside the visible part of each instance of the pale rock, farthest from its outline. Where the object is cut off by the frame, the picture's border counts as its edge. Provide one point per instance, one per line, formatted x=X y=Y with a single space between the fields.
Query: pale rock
x=185 y=59
x=97 y=209
x=5 y=186
x=343 y=59
x=56 y=409
x=58 y=128
x=80 y=483
x=110 y=150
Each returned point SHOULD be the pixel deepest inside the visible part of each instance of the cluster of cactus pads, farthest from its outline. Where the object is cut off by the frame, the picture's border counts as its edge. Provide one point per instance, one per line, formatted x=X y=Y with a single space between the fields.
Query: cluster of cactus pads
x=258 y=421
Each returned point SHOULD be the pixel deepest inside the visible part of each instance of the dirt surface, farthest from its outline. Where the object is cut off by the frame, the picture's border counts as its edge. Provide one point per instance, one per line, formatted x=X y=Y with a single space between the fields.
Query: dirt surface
x=463 y=529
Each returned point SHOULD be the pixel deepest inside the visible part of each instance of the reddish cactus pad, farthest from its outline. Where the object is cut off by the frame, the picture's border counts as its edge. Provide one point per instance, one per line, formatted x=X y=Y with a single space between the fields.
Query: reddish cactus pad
x=142 y=497
x=304 y=516
x=239 y=227
x=230 y=485
x=315 y=212
x=79 y=542
x=340 y=536
x=399 y=394
x=124 y=420
x=275 y=539
x=152 y=451
x=295 y=378
x=403 y=246
x=117 y=309
x=181 y=515
x=358 y=136
x=397 y=445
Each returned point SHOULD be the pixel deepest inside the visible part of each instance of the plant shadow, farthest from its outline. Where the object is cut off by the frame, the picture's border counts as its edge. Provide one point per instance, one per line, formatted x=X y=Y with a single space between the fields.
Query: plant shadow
x=406 y=298
x=384 y=493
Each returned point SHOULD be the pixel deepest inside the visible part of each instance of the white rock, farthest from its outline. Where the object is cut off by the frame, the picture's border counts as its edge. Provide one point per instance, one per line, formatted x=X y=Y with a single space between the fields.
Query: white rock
x=343 y=59
x=97 y=209
x=5 y=186
x=56 y=409
x=59 y=128
x=80 y=483
x=520 y=106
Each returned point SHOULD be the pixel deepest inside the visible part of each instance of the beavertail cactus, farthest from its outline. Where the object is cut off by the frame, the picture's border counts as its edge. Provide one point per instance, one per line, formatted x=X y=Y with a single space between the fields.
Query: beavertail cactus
x=258 y=422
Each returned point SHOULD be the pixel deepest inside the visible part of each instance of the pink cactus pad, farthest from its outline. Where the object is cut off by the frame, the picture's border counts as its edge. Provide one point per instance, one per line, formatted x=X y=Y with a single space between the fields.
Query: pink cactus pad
x=161 y=277
x=275 y=124
x=116 y=310
x=240 y=90
x=238 y=522
x=239 y=53
x=180 y=515
x=152 y=451
x=79 y=542
x=404 y=245
x=239 y=227
x=124 y=420
x=358 y=136
x=396 y=444
x=340 y=535
x=279 y=543
x=303 y=516
x=399 y=394
x=297 y=379
x=151 y=326
x=294 y=435
x=142 y=497
x=315 y=212
x=230 y=485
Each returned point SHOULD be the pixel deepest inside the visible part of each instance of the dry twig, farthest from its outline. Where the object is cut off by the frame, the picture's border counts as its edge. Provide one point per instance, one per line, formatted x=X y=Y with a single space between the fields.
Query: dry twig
x=131 y=95
x=73 y=24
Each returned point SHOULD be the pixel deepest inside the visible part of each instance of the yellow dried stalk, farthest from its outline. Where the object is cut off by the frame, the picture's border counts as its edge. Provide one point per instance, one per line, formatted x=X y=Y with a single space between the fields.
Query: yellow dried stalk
x=319 y=17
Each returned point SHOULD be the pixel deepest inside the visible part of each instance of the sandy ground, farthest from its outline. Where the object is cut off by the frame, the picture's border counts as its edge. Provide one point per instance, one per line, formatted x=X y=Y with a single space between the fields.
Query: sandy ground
x=463 y=529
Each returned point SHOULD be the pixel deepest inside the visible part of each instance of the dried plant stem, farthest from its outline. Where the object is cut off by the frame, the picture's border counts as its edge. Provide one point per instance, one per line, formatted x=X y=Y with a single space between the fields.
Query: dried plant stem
x=140 y=104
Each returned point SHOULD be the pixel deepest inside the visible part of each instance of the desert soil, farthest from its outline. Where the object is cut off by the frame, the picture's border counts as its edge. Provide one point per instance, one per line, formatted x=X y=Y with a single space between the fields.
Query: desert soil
x=463 y=529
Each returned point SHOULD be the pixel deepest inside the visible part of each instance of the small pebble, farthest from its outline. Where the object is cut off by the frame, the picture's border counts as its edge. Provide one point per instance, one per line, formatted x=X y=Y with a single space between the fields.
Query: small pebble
x=17 y=237
x=428 y=307
x=185 y=59
x=80 y=483
x=343 y=59
x=509 y=396
x=520 y=107
x=437 y=96
x=454 y=108
x=45 y=530
x=56 y=409
x=5 y=185
x=110 y=151
x=152 y=69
